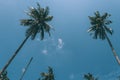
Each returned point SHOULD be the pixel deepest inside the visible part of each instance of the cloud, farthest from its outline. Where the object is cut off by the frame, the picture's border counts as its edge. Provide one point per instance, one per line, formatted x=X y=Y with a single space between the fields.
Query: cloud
x=60 y=43
x=45 y=52
x=38 y=39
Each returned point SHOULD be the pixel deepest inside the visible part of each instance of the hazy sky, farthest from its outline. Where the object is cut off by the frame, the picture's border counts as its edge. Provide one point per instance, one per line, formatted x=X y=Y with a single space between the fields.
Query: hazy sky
x=71 y=51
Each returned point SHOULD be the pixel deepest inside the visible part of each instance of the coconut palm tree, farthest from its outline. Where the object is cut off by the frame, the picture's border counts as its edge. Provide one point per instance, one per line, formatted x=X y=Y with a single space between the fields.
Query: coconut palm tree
x=99 y=28
x=89 y=76
x=37 y=23
x=47 y=76
x=26 y=68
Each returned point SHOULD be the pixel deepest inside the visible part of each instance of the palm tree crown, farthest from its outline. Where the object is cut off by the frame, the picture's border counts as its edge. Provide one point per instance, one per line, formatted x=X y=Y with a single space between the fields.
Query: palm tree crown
x=100 y=28
x=3 y=76
x=47 y=76
x=37 y=22
x=89 y=76
x=99 y=25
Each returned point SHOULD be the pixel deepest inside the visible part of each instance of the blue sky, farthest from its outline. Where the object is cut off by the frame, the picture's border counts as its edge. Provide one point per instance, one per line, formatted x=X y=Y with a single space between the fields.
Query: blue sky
x=70 y=50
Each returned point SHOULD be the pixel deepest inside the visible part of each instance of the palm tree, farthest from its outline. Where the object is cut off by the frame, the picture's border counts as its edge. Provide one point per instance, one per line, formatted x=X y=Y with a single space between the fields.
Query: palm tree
x=89 y=76
x=47 y=76
x=26 y=68
x=3 y=76
x=37 y=23
x=100 y=28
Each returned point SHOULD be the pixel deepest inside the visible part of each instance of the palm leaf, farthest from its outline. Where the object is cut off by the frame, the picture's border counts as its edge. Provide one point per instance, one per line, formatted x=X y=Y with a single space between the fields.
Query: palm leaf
x=27 y=22
x=34 y=13
x=104 y=16
x=42 y=33
x=91 y=29
x=96 y=34
x=48 y=18
x=46 y=12
x=47 y=28
x=34 y=34
x=109 y=30
x=97 y=14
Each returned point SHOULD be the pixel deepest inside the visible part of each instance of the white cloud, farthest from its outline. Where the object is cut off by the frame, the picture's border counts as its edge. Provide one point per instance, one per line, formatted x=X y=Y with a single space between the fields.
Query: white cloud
x=38 y=39
x=45 y=52
x=60 y=43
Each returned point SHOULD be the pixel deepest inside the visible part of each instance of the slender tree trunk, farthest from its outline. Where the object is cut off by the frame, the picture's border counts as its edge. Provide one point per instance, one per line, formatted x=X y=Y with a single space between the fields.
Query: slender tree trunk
x=26 y=68
x=16 y=52
x=113 y=50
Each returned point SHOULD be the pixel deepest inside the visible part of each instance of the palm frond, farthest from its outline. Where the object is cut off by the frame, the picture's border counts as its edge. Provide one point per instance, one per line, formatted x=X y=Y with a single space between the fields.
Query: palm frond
x=31 y=30
x=103 y=34
x=107 y=22
x=33 y=12
x=89 y=76
x=41 y=12
x=28 y=31
x=42 y=74
x=47 y=28
x=109 y=30
x=48 y=75
x=48 y=18
x=91 y=18
x=34 y=34
x=46 y=12
x=105 y=15
x=42 y=33
x=38 y=6
x=93 y=28
x=26 y=22
x=97 y=14
x=96 y=34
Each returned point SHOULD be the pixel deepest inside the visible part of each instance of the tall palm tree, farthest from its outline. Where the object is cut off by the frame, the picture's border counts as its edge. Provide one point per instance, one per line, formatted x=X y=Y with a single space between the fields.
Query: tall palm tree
x=26 y=68
x=89 y=76
x=100 y=28
x=47 y=76
x=37 y=23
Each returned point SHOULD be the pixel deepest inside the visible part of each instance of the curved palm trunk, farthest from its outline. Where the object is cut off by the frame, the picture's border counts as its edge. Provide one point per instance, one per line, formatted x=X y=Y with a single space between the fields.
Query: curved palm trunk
x=16 y=52
x=113 y=50
x=26 y=68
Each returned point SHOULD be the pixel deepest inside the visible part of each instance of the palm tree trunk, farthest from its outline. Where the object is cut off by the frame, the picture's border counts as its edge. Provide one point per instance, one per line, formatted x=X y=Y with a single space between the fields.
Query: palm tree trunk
x=16 y=52
x=26 y=68
x=113 y=50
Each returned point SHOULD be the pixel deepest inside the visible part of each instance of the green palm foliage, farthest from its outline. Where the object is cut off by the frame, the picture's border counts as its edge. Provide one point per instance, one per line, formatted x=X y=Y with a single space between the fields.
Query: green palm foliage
x=3 y=76
x=99 y=29
x=99 y=25
x=37 y=23
x=89 y=76
x=47 y=76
